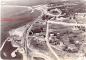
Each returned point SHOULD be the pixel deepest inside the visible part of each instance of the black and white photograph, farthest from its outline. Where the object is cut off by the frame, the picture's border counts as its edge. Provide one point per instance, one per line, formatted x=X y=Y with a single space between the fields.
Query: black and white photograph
x=43 y=30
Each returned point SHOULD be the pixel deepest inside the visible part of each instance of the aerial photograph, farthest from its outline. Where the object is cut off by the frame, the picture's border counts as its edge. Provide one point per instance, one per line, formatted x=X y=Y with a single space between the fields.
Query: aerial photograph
x=43 y=30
